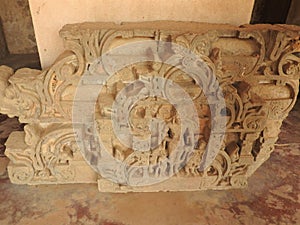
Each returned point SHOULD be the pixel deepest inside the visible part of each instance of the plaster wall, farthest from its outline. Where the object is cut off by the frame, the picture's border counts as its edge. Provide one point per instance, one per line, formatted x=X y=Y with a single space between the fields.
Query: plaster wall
x=49 y=16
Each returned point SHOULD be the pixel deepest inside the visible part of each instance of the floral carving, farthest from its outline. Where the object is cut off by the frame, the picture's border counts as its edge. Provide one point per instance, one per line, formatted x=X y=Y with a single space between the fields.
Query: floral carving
x=257 y=67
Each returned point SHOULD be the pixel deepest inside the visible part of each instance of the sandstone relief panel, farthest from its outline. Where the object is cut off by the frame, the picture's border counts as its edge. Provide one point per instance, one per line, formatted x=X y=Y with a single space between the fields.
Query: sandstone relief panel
x=254 y=69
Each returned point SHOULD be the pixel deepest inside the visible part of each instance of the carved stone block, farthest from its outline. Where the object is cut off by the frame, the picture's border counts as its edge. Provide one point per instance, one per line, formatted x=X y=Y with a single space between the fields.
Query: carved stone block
x=154 y=113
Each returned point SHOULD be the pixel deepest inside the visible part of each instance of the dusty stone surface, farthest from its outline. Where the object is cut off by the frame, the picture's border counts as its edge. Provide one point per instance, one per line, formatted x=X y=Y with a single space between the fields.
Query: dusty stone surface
x=257 y=67
x=271 y=198
x=17 y=26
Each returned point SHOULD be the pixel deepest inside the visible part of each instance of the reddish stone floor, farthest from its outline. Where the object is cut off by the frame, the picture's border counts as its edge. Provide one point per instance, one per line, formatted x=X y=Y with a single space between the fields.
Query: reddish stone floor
x=271 y=198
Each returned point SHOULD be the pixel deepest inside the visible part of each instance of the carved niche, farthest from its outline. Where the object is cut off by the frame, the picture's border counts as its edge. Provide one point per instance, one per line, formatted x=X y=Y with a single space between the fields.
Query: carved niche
x=257 y=67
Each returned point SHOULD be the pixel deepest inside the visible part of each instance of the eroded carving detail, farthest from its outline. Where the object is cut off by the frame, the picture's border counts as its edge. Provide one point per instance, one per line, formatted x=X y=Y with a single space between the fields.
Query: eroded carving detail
x=257 y=67
x=45 y=155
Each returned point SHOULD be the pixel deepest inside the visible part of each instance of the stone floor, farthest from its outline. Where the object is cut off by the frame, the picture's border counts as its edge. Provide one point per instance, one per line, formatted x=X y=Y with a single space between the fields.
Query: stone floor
x=271 y=198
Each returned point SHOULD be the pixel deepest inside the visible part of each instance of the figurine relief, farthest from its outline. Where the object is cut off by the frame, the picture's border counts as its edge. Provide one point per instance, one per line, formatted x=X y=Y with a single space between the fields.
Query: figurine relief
x=256 y=67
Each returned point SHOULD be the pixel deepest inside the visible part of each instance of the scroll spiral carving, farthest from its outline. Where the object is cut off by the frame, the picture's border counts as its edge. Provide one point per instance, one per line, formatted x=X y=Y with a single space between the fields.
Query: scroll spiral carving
x=257 y=67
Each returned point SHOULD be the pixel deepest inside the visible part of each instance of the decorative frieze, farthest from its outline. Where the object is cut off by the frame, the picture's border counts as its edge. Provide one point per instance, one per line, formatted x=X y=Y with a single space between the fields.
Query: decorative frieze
x=172 y=81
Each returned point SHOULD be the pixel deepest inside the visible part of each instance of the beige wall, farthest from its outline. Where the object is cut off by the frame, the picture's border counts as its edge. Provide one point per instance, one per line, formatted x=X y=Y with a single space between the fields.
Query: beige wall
x=49 y=16
x=17 y=26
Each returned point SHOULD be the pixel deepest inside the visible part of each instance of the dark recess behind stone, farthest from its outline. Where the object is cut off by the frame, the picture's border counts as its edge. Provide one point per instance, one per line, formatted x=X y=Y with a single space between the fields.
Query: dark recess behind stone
x=3 y=46
x=270 y=11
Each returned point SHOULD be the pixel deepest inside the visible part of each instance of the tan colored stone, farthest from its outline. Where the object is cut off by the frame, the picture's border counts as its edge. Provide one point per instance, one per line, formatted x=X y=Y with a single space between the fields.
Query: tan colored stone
x=257 y=67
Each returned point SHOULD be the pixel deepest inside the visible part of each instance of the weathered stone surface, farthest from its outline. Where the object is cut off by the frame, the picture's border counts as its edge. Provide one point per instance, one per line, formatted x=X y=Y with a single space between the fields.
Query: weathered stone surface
x=17 y=26
x=256 y=66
